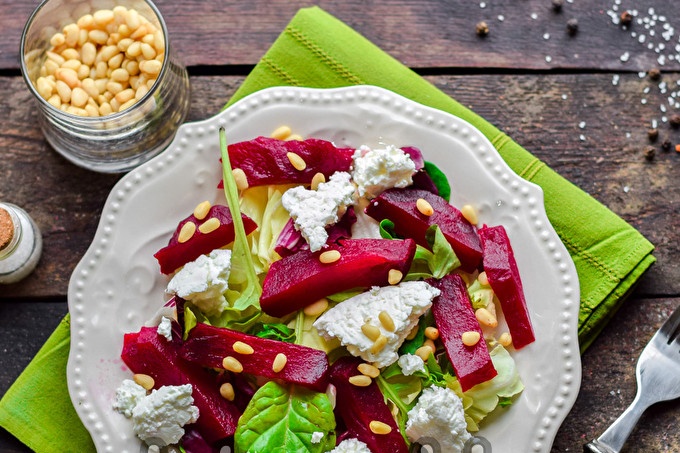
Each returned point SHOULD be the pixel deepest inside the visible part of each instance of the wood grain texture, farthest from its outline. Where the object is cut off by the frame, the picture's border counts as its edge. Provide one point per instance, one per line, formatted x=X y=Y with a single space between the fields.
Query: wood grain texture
x=529 y=32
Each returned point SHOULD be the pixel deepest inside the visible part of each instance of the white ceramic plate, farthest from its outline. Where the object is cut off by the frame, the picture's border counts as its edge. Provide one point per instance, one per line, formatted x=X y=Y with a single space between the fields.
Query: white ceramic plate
x=117 y=286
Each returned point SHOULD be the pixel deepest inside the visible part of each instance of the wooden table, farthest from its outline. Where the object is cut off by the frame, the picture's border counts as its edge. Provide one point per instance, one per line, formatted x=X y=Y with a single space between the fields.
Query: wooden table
x=581 y=102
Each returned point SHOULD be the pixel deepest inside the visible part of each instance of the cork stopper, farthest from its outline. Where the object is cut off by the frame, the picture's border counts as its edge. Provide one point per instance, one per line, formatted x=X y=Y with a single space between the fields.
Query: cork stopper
x=6 y=228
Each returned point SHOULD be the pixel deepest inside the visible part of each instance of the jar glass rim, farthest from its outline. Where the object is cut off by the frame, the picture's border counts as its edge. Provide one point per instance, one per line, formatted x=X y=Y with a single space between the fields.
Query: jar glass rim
x=90 y=119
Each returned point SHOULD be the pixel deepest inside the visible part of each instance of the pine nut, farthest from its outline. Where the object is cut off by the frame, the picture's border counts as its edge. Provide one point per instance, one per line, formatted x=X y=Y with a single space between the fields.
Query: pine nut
x=378 y=427
x=470 y=338
x=140 y=32
x=103 y=17
x=505 y=339
x=68 y=76
x=71 y=54
x=98 y=36
x=125 y=95
x=144 y=380
x=64 y=91
x=90 y=88
x=296 y=161
x=379 y=344
x=91 y=110
x=127 y=105
x=71 y=32
x=132 y=19
x=281 y=132
x=79 y=97
x=412 y=334
x=316 y=180
x=329 y=256
x=242 y=348
x=431 y=333
x=360 y=380
x=394 y=276
x=209 y=225
x=483 y=279
x=371 y=331
x=231 y=364
x=114 y=88
x=430 y=344
x=55 y=100
x=485 y=318
x=386 y=321
x=316 y=308
x=240 y=178
x=227 y=391
x=296 y=137
x=424 y=352
x=186 y=232
x=369 y=370
x=159 y=42
x=469 y=213
x=83 y=71
x=105 y=109
x=44 y=87
x=115 y=61
x=201 y=210
x=58 y=59
x=134 y=50
x=151 y=67
x=86 y=21
x=57 y=39
x=279 y=362
x=147 y=51
x=424 y=207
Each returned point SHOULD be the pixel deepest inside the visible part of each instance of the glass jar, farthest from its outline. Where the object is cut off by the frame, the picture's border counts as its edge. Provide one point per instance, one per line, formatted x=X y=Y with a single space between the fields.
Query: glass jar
x=117 y=141
x=20 y=244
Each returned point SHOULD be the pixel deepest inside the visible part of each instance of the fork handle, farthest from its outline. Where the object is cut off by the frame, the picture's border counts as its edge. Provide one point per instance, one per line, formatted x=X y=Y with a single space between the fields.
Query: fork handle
x=612 y=440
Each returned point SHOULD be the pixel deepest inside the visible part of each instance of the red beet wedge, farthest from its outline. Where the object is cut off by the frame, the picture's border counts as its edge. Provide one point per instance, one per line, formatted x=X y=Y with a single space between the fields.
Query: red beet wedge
x=300 y=279
x=149 y=353
x=454 y=316
x=399 y=206
x=208 y=346
x=501 y=270
x=266 y=160
x=177 y=254
x=359 y=406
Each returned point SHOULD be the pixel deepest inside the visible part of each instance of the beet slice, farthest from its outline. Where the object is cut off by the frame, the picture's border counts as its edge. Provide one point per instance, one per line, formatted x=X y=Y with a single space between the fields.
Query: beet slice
x=359 y=406
x=209 y=345
x=148 y=353
x=265 y=160
x=176 y=254
x=300 y=279
x=501 y=270
x=399 y=206
x=453 y=315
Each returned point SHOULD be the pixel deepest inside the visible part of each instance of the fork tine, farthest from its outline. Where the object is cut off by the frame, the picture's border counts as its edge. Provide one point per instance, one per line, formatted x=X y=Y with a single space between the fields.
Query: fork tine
x=669 y=329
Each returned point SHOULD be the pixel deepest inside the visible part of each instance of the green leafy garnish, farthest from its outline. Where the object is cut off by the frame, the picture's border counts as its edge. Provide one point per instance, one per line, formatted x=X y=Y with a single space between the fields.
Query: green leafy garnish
x=274 y=331
x=387 y=229
x=401 y=391
x=444 y=259
x=439 y=179
x=281 y=419
x=248 y=301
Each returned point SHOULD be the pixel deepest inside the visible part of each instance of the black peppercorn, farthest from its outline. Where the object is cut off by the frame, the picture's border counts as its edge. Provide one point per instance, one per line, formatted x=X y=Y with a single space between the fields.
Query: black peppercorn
x=653 y=134
x=482 y=28
x=557 y=5
x=626 y=18
x=572 y=26
x=654 y=74
x=666 y=145
x=649 y=152
x=674 y=121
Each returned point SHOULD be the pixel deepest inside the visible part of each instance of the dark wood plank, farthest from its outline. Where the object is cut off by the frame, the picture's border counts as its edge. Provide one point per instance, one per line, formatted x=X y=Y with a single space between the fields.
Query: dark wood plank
x=239 y=33
x=608 y=384
x=608 y=163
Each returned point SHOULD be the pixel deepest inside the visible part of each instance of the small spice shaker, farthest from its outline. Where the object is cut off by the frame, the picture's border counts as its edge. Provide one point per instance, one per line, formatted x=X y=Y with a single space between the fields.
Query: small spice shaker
x=20 y=243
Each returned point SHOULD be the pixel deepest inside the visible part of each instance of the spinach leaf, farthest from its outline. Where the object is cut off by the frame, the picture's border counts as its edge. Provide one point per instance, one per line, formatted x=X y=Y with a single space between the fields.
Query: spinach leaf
x=274 y=331
x=439 y=179
x=281 y=419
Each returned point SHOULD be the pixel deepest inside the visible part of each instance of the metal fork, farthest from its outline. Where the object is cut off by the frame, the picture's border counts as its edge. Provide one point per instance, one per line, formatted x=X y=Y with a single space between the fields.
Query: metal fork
x=658 y=379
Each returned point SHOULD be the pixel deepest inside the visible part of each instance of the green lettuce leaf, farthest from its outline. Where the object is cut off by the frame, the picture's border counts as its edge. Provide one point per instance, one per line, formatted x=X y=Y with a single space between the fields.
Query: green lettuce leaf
x=274 y=331
x=444 y=259
x=245 y=308
x=439 y=179
x=282 y=419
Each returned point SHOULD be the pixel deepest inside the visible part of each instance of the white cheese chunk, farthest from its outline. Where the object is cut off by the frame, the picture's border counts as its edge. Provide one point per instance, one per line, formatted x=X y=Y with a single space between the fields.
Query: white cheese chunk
x=351 y=446
x=376 y=170
x=127 y=396
x=316 y=437
x=313 y=210
x=159 y=418
x=404 y=303
x=438 y=413
x=411 y=363
x=165 y=328
x=204 y=281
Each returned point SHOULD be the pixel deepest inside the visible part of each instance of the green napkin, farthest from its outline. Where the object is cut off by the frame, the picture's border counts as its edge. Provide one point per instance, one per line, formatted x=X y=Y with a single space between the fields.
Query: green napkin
x=317 y=50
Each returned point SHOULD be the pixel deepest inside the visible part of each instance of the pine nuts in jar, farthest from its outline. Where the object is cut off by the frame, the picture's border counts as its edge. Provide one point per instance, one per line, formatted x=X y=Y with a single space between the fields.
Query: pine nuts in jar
x=111 y=92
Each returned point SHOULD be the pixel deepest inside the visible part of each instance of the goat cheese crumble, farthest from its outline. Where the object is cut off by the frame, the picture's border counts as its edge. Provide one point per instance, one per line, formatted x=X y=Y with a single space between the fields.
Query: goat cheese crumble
x=165 y=328
x=404 y=303
x=127 y=396
x=438 y=413
x=376 y=170
x=411 y=363
x=351 y=446
x=204 y=281
x=313 y=210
